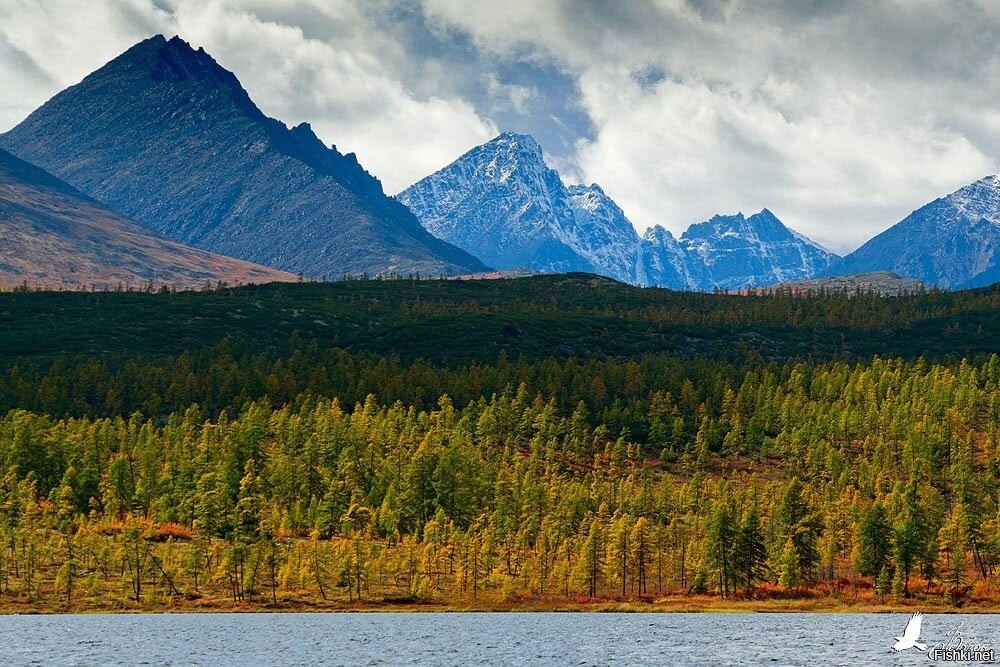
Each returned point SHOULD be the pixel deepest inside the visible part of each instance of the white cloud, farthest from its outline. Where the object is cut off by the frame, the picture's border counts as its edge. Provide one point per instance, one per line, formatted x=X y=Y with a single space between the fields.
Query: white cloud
x=48 y=45
x=509 y=95
x=839 y=117
x=340 y=86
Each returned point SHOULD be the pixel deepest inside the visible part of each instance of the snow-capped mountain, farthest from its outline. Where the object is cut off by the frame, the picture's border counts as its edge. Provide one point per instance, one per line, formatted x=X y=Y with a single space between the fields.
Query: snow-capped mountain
x=501 y=203
x=952 y=242
x=662 y=262
x=750 y=252
x=601 y=233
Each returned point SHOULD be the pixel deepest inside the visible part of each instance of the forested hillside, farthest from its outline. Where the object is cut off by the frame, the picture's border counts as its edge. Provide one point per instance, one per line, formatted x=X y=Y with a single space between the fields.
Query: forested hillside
x=546 y=441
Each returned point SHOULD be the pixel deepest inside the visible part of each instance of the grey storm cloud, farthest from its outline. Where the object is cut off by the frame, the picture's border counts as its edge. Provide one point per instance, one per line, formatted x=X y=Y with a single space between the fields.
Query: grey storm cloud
x=840 y=117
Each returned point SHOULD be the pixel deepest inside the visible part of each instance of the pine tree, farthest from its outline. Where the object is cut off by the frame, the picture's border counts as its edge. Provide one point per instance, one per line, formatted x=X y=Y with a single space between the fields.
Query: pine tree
x=750 y=551
x=875 y=541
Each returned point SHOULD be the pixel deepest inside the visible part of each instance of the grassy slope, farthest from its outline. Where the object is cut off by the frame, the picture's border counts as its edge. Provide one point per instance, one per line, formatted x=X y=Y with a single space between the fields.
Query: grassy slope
x=55 y=236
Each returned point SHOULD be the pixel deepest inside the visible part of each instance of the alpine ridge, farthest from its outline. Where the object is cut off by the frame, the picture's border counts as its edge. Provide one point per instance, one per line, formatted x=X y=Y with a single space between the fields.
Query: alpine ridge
x=952 y=242
x=739 y=252
x=503 y=204
x=168 y=137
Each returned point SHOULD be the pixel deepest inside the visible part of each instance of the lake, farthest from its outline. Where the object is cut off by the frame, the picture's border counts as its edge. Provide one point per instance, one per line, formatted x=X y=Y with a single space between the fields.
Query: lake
x=473 y=639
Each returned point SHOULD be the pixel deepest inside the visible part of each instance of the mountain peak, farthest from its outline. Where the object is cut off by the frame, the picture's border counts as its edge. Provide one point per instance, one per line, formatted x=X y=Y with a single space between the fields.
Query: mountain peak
x=514 y=138
x=758 y=250
x=657 y=233
x=169 y=60
x=515 y=146
x=980 y=199
x=502 y=203
x=168 y=137
x=952 y=242
x=583 y=189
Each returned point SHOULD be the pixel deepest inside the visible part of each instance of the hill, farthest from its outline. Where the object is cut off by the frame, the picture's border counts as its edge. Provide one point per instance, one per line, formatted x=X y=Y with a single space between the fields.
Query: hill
x=885 y=283
x=473 y=321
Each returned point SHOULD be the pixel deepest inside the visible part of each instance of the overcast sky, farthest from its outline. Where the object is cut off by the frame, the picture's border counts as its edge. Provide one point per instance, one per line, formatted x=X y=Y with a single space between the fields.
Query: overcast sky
x=841 y=117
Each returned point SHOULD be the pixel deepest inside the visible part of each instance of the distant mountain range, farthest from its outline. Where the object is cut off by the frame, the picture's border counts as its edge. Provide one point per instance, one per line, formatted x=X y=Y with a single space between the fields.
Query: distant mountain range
x=165 y=138
x=503 y=204
x=55 y=237
x=164 y=135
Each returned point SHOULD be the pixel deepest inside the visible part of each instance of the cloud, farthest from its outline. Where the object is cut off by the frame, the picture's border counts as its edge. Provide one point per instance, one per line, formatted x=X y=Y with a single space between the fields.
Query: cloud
x=337 y=80
x=839 y=117
x=46 y=46
x=322 y=62
x=509 y=95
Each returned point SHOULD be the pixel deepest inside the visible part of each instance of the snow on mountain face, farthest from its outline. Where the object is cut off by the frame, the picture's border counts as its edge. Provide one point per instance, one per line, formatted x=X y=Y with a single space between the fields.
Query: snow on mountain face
x=663 y=263
x=952 y=242
x=503 y=204
x=742 y=252
x=602 y=234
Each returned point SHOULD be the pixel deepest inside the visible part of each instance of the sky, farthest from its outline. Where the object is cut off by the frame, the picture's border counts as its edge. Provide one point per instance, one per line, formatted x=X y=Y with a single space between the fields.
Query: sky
x=840 y=117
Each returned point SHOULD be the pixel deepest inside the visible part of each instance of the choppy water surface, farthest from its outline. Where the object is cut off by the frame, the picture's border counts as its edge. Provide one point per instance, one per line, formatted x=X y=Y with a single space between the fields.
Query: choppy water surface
x=473 y=639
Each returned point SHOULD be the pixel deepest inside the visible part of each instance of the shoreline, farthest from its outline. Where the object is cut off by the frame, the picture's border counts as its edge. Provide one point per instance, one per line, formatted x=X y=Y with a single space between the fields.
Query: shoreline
x=663 y=606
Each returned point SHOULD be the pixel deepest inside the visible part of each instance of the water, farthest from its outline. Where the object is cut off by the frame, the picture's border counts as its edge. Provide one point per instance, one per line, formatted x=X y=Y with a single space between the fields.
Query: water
x=468 y=639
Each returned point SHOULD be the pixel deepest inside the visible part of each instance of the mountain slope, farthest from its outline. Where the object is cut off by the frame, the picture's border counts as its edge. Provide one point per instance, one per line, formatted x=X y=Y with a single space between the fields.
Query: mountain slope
x=503 y=204
x=662 y=262
x=952 y=242
x=166 y=136
x=54 y=236
x=740 y=252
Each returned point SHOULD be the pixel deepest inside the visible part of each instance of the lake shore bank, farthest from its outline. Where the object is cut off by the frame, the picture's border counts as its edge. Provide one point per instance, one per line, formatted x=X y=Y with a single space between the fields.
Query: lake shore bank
x=668 y=604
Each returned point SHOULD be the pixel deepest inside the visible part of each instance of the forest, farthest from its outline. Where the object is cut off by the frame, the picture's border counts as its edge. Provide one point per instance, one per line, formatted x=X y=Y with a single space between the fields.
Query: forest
x=628 y=447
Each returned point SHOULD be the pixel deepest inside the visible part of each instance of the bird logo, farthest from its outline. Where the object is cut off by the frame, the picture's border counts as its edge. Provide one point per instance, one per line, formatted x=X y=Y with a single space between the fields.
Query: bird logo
x=910 y=635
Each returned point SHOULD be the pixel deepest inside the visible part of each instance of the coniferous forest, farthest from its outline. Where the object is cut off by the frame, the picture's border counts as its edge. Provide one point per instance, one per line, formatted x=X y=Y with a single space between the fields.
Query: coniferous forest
x=555 y=441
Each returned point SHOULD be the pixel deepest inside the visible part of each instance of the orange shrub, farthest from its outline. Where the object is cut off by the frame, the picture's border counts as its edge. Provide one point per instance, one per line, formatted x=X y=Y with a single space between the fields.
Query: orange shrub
x=170 y=530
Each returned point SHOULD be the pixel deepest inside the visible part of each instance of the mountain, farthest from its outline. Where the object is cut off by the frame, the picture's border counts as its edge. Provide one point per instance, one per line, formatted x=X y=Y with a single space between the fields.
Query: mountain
x=166 y=136
x=601 y=233
x=952 y=242
x=503 y=204
x=54 y=236
x=663 y=263
x=742 y=252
